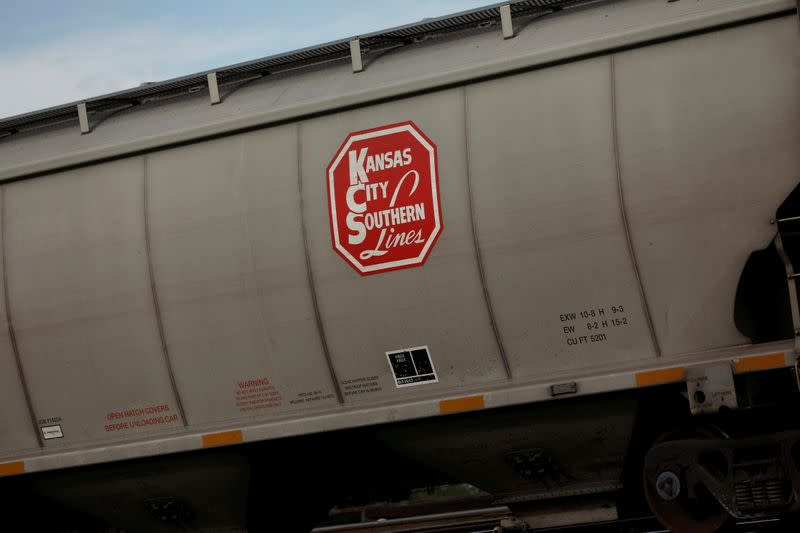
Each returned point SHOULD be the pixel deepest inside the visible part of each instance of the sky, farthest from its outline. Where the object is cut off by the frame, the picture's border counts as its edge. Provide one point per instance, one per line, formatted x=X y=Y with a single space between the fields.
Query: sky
x=58 y=51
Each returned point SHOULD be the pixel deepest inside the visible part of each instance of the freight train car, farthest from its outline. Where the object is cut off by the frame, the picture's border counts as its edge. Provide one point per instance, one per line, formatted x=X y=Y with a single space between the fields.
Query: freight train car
x=545 y=248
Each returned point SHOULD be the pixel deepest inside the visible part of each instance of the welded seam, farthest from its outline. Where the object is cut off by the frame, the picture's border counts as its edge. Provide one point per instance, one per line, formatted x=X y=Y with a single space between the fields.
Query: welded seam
x=624 y=214
x=156 y=304
x=12 y=336
x=310 y=273
x=476 y=244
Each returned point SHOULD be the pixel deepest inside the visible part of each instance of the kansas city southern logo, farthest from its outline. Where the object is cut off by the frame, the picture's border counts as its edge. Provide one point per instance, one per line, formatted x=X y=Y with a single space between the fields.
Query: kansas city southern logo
x=383 y=198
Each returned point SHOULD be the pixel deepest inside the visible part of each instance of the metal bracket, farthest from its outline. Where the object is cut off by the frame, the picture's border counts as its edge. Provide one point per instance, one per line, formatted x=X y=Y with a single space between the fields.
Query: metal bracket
x=83 y=118
x=797 y=372
x=790 y=280
x=213 y=88
x=355 y=55
x=506 y=22
x=711 y=387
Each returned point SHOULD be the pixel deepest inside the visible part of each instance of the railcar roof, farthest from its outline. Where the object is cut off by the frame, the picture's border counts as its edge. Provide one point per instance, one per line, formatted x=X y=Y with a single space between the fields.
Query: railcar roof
x=336 y=50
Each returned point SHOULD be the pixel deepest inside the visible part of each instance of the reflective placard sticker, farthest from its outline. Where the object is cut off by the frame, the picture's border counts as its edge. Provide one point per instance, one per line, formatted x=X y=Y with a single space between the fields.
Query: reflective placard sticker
x=412 y=366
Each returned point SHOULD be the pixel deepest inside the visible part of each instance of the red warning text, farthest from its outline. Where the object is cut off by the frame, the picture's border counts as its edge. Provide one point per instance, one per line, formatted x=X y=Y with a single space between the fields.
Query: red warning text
x=256 y=394
x=138 y=417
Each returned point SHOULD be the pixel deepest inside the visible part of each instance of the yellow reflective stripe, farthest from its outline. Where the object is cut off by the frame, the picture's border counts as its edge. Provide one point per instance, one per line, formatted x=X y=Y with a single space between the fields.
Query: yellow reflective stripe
x=759 y=362
x=459 y=405
x=12 y=469
x=222 y=439
x=657 y=377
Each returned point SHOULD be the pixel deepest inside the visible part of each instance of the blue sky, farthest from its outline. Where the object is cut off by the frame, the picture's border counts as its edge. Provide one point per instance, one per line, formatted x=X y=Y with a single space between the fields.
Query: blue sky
x=54 y=52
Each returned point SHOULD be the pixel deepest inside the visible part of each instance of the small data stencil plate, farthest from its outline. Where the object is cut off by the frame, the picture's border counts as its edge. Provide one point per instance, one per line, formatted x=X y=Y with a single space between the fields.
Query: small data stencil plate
x=412 y=366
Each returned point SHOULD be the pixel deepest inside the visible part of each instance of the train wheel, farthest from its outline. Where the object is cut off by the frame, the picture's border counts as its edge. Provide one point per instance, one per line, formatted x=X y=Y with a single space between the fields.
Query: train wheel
x=676 y=506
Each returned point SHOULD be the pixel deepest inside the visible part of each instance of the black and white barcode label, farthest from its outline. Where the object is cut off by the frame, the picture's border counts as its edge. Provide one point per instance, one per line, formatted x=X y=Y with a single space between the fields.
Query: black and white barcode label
x=412 y=366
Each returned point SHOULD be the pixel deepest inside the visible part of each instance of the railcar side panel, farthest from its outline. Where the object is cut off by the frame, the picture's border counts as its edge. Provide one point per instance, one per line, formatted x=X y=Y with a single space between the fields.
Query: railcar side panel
x=549 y=222
x=17 y=434
x=230 y=273
x=440 y=305
x=708 y=132
x=82 y=307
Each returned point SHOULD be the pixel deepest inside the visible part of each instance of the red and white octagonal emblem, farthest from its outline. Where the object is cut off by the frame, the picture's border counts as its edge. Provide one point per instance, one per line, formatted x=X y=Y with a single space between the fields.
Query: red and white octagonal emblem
x=383 y=198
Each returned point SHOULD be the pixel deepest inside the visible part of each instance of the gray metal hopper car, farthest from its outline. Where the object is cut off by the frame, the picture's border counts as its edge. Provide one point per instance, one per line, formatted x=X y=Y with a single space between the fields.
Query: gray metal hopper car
x=561 y=219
